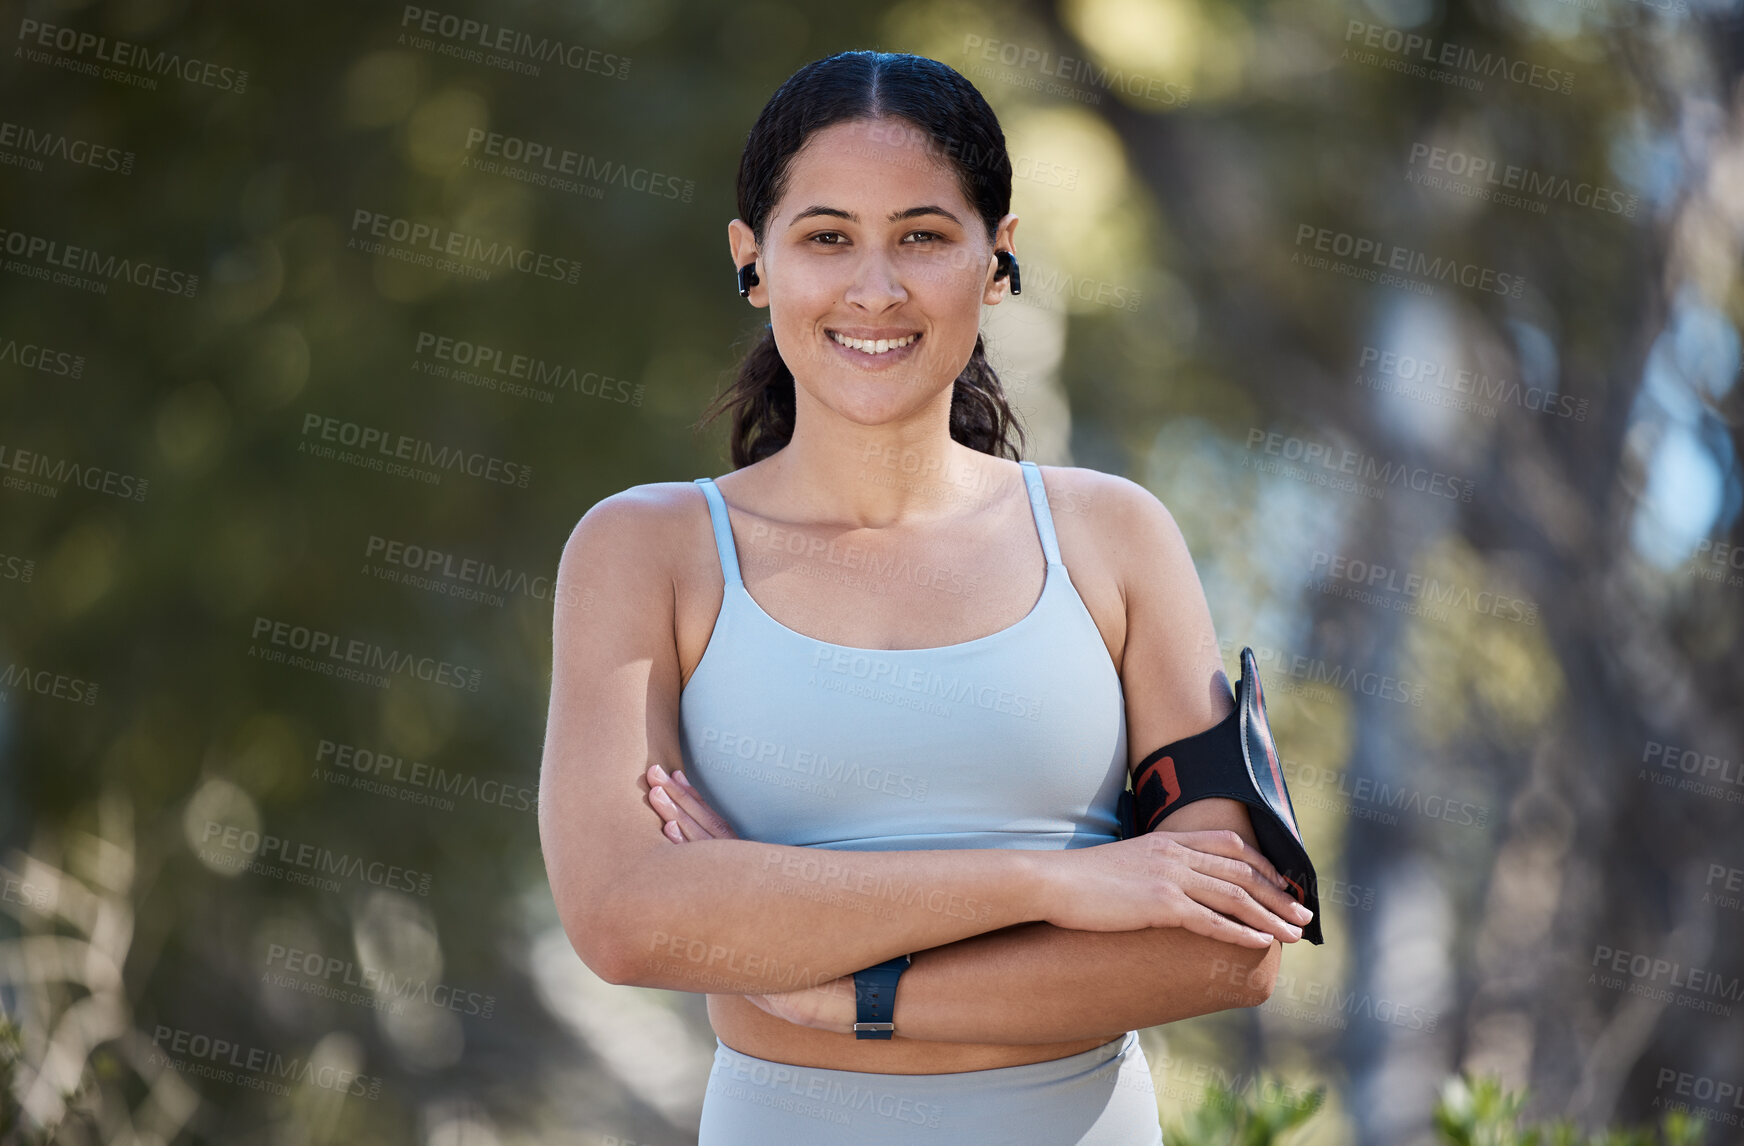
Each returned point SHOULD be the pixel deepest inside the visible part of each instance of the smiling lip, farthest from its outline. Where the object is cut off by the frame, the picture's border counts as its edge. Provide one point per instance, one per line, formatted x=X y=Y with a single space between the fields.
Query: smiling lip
x=868 y=334
x=880 y=360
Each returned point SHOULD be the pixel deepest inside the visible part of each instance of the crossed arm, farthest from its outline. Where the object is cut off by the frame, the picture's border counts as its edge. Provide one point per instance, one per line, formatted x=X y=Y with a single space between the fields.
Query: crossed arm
x=1034 y=982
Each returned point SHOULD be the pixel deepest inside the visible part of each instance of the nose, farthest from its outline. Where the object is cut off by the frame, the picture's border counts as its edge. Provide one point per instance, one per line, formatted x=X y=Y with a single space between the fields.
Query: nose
x=875 y=285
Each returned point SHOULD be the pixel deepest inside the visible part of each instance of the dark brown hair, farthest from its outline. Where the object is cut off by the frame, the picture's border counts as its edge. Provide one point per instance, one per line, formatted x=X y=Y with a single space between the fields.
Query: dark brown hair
x=937 y=100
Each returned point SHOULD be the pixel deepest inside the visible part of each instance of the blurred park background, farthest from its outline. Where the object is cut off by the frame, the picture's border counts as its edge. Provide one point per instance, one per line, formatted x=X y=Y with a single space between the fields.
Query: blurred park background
x=1422 y=318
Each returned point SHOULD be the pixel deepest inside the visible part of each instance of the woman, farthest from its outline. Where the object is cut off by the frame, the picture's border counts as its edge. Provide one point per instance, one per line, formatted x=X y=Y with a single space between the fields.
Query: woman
x=903 y=726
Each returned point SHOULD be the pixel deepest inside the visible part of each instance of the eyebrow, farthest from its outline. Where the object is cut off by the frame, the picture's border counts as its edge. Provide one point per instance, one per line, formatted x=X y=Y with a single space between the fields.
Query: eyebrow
x=895 y=216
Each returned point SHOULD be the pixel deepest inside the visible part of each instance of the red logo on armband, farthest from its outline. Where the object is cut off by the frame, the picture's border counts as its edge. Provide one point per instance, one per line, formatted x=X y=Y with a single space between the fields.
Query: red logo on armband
x=1164 y=768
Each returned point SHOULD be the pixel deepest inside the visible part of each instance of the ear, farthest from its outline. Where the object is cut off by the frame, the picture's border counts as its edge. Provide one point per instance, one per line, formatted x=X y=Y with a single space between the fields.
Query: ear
x=994 y=289
x=744 y=247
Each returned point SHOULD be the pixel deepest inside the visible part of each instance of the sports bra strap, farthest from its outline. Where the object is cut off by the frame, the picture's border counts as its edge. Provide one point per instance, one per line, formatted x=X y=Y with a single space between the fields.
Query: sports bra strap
x=729 y=555
x=723 y=530
x=1044 y=518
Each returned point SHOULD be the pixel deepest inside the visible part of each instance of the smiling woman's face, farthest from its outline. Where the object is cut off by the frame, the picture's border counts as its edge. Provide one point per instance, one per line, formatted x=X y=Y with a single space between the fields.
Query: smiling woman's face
x=873 y=240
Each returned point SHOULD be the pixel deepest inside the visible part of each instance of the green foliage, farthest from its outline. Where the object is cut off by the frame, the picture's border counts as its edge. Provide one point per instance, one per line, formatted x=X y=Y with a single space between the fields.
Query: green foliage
x=1470 y=1112
x=1256 y=1115
x=12 y=1124
x=1479 y=1112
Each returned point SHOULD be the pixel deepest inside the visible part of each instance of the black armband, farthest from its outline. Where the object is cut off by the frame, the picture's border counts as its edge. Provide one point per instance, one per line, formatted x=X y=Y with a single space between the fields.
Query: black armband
x=1236 y=759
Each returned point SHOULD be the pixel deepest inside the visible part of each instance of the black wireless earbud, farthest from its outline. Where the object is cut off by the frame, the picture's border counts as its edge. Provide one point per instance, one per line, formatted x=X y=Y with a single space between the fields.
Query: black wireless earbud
x=1008 y=266
x=747 y=278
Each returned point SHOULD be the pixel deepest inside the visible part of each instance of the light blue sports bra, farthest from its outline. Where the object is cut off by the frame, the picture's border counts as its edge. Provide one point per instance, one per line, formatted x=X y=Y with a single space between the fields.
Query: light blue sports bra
x=1013 y=740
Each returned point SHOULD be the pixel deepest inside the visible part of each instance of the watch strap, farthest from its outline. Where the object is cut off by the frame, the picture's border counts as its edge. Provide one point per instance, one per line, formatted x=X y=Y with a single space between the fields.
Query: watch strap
x=875 y=998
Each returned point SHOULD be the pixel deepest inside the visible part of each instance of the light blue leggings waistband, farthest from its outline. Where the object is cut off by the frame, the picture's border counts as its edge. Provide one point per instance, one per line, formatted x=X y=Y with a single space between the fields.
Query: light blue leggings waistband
x=1100 y=1097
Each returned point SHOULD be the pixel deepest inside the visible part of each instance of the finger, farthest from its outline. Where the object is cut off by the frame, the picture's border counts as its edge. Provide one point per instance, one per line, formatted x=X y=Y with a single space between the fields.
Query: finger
x=676 y=816
x=660 y=797
x=1201 y=919
x=700 y=813
x=1244 y=874
x=1224 y=843
x=1237 y=903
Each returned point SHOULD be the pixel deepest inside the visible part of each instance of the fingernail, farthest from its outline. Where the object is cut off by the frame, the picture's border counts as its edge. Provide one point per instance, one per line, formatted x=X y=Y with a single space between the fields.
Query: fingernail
x=1301 y=912
x=673 y=833
x=1295 y=932
x=662 y=797
x=660 y=774
x=679 y=776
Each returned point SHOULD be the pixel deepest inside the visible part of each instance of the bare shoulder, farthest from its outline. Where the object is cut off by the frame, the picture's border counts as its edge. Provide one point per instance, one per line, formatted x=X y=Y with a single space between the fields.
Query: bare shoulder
x=1118 y=522
x=641 y=523
x=637 y=539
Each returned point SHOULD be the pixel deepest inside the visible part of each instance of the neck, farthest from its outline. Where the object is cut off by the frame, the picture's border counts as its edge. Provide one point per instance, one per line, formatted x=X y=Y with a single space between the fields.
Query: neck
x=875 y=477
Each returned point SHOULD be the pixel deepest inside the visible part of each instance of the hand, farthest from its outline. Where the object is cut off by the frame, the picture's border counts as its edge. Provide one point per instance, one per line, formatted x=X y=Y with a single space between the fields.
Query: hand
x=686 y=816
x=829 y=1007
x=1211 y=882
x=683 y=814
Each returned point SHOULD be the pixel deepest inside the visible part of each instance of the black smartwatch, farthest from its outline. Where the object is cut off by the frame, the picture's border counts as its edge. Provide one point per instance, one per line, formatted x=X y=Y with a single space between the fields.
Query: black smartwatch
x=875 y=998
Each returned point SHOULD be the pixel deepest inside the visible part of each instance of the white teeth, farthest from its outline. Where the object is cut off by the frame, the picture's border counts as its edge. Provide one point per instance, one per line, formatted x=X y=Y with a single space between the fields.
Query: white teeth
x=877 y=347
